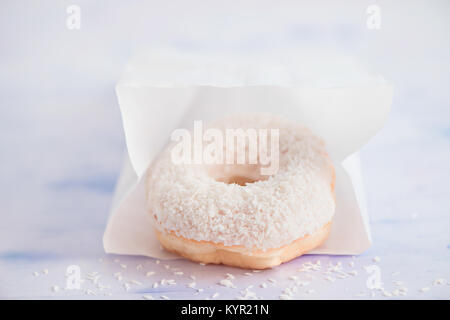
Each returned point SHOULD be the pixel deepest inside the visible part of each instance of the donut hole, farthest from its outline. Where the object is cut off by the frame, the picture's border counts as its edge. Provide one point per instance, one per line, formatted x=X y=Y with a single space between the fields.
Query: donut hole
x=236 y=174
x=240 y=180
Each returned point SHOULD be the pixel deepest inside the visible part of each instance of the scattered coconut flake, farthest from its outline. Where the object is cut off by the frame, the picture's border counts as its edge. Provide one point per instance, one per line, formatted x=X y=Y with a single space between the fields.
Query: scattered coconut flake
x=215 y=295
x=178 y=273
x=148 y=297
x=439 y=281
x=139 y=267
x=45 y=271
x=35 y=273
x=425 y=289
x=202 y=264
x=285 y=297
x=227 y=283
x=353 y=272
x=165 y=298
x=303 y=283
x=247 y=294
x=191 y=285
x=149 y=273
x=248 y=274
x=230 y=276
x=361 y=294
x=376 y=259
x=263 y=285
x=103 y=287
x=93 y=277
x=330 y=279
x=272 y=280
x=287 y=291
x=293 y=278
x=351 y=264
x=123 y=266
x=155 y=285
x=136 y=282
x=192 y=277
x=55 y=288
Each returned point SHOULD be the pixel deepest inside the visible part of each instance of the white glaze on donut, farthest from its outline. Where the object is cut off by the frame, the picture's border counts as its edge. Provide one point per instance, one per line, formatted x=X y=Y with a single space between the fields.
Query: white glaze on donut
x=188 y=201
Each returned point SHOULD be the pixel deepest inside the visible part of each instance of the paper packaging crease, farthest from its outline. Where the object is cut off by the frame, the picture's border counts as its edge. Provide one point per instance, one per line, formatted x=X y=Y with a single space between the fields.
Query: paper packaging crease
x=161 y=91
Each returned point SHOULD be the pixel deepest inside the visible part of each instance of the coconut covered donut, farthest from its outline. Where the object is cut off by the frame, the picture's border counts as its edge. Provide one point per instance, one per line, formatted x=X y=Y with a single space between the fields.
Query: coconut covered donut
x=232 y=213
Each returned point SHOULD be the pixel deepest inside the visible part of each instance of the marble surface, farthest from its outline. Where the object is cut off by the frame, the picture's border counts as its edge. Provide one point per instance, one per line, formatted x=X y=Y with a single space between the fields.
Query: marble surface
x=62 y=146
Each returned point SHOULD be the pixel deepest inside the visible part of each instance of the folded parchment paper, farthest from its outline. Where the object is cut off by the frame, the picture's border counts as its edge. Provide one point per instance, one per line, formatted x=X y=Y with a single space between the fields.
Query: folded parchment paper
x=331 y=94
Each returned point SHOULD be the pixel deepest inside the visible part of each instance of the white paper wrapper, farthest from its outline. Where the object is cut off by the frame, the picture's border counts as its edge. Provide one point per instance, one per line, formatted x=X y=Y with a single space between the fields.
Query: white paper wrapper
x=338 y=99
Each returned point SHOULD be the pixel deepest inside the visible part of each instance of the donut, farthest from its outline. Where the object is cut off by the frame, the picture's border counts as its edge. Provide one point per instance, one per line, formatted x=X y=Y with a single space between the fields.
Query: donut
x=232 y=213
